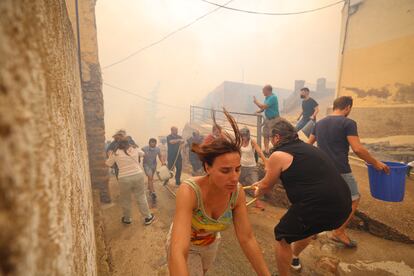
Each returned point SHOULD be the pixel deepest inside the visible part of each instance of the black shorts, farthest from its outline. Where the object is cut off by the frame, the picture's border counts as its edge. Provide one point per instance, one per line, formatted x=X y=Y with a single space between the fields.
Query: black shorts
x=292 y=227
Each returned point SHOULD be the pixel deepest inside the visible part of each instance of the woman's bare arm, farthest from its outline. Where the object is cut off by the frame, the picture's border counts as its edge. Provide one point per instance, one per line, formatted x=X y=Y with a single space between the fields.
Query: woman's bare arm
x=246 y=238
x=276 y=164
x=181 y=231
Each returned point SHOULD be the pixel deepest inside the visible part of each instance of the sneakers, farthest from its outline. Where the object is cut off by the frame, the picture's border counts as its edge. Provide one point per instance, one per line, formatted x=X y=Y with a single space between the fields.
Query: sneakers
x=296 y=264
x=149 y=220
x=126 y=220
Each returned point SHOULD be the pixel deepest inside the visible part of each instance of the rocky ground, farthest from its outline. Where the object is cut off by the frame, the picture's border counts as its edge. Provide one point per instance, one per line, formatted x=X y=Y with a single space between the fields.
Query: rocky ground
x=139 y=250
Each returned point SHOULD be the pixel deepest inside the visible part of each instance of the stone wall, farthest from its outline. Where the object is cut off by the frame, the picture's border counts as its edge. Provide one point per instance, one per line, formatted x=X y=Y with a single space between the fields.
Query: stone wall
x=383 y=121
x=92 y=93
x=45 y=193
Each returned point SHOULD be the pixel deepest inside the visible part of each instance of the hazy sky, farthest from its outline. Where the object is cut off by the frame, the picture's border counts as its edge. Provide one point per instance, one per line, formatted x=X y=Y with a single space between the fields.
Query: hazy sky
x=225 y=45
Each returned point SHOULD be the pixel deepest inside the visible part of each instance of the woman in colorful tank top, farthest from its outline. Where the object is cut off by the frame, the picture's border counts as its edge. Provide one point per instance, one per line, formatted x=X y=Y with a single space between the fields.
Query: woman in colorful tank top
x=207 y=205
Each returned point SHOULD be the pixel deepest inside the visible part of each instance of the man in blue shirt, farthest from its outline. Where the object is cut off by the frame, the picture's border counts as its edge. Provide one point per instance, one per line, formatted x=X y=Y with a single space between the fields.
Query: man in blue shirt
x=271 y=111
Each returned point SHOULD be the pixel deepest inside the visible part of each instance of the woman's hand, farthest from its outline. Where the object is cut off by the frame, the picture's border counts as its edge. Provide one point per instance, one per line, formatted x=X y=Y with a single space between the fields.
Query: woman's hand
x=257 y=191
x=181 y=231
x=246 y=237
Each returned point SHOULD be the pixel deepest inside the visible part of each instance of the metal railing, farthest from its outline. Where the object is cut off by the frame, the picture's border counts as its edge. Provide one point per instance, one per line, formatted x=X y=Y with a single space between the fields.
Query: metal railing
x=253 y=122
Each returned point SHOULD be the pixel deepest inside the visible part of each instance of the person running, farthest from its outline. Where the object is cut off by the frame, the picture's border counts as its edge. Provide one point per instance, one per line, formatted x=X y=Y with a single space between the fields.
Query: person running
x=150 y=164
x=207 y=205
x=334 y=134
x=271 y=111
x=319 y=195
x=131 y=180
x=249 y=173
x=309 y=110
x=174 y=142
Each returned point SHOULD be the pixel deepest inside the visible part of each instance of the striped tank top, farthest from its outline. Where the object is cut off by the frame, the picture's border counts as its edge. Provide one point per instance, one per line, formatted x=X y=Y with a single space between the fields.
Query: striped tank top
x=204 y=228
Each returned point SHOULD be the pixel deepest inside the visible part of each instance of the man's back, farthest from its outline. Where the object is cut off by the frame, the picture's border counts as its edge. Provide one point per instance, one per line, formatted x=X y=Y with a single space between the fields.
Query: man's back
x=331 y=134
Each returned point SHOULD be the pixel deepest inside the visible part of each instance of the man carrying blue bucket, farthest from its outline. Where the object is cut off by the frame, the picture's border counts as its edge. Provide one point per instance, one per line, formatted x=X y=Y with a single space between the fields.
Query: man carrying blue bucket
x=334 y=134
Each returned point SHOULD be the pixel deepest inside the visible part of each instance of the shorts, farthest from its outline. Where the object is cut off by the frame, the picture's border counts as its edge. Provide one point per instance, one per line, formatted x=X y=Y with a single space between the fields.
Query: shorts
x=292 y=227
x=352 y=184
x=268 y=126
x=200 y=258
x=149 y=169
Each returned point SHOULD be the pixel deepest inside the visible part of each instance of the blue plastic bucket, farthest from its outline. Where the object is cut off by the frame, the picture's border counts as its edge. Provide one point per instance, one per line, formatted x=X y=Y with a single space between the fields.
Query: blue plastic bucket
x=388 y=187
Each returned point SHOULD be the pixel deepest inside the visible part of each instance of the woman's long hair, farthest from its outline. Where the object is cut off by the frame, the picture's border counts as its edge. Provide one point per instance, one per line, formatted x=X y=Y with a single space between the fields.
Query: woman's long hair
x=226 y=143
x=286 y=131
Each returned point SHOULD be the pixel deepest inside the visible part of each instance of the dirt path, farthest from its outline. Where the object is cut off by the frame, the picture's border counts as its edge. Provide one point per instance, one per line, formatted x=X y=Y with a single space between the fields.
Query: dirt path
x=139 y=250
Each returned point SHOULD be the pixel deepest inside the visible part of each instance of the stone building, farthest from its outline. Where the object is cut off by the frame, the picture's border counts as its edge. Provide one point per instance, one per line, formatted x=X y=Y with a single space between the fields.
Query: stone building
x=91 y=81
x=322 y=92
x=376 y=65
x=46 y=206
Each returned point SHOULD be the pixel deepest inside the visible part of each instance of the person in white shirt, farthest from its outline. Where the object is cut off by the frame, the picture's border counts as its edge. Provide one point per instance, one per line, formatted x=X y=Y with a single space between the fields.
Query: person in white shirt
x=249 y=172
x=131 y=180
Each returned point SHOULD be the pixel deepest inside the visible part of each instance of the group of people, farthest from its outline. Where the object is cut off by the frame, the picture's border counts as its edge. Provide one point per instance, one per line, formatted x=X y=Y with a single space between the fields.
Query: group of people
x=318 y=182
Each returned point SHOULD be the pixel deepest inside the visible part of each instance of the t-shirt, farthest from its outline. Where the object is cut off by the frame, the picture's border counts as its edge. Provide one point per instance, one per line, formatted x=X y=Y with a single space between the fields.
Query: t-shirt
x=331 y=134
x=151 y=154
x=128 y=163
x=272 y=109
x=308 y=107
x=173 y=148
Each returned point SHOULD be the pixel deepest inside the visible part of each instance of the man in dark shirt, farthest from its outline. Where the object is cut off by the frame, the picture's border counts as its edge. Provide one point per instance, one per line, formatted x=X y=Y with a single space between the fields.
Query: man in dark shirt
x=334 y=134
x=174 y=142
x=309 y=110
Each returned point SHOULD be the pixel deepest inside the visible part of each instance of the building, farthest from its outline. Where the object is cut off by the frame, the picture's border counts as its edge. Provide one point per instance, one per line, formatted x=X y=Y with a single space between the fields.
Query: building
x=376 y=65
x=323 y=92
x=226 y=93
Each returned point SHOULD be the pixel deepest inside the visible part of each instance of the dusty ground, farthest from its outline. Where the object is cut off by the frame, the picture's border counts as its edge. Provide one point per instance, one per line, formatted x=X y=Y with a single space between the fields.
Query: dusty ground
x=139 y=250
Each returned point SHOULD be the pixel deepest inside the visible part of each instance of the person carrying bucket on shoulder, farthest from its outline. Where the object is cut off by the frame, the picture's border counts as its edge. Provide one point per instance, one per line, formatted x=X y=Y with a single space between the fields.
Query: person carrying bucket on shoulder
x=131 y=180
x=334 y=134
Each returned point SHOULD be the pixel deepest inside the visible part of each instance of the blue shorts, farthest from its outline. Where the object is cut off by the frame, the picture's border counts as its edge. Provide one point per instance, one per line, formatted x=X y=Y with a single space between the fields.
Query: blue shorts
x=149 y=169
x=352 y=184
